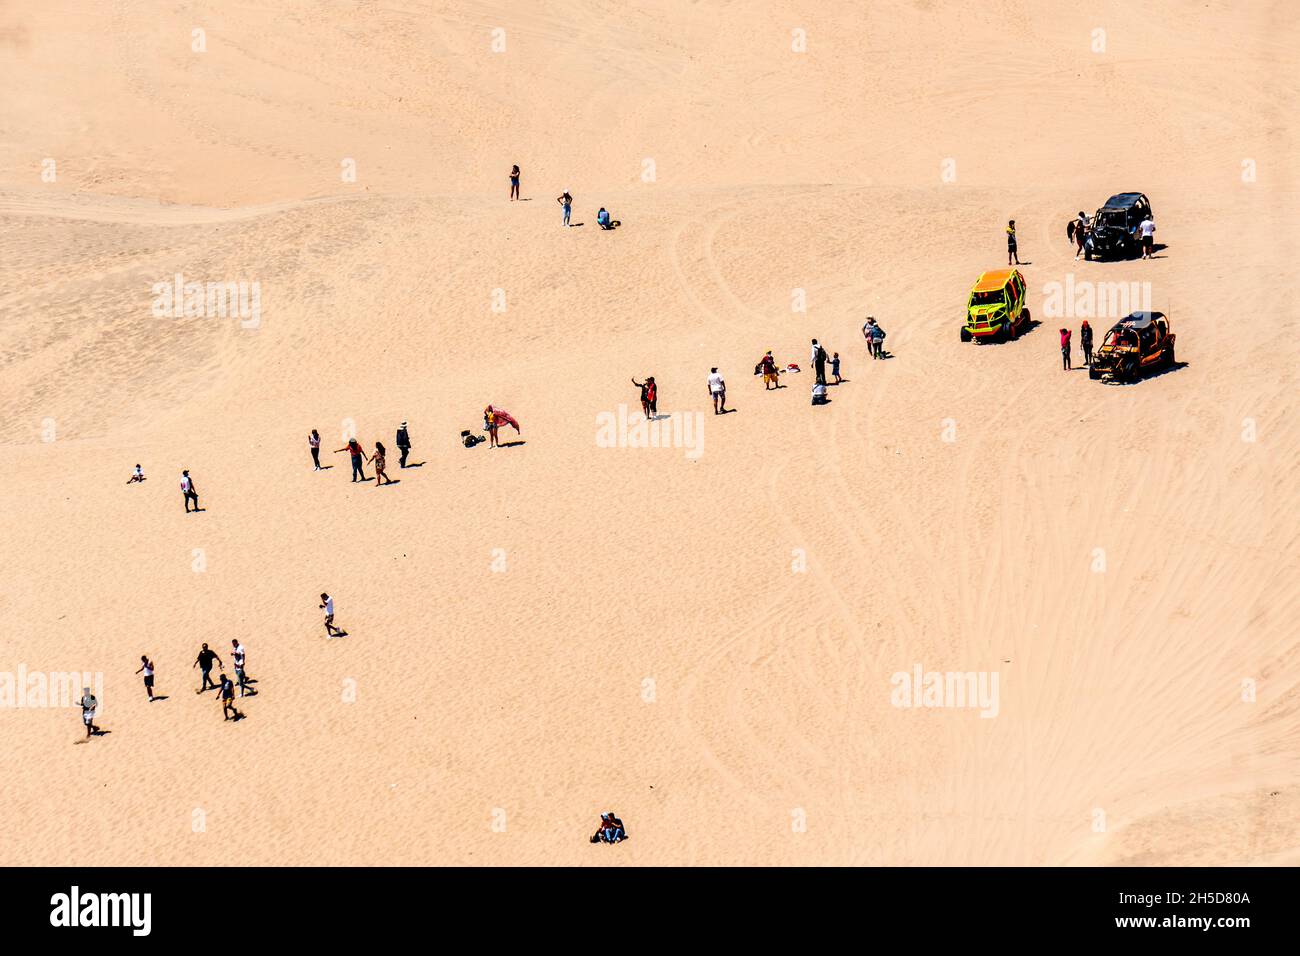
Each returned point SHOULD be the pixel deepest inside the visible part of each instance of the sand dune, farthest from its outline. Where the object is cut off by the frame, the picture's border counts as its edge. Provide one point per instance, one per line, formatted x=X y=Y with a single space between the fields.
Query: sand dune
x=703 y=643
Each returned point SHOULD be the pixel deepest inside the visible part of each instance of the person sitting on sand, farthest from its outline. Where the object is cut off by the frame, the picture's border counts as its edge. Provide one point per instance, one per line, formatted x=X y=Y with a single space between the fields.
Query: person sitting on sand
x=603 y=220
x=819 y=394
x=138 y=475
x=611 y=829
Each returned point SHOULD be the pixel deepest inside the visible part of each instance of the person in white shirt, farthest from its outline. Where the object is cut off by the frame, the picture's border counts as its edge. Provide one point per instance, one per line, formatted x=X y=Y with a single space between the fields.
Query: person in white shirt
x=188 y=490
x=89 y=704
x=1147 y=230
x=327 y=604
x=146 y=667
x=137 y=475
x=718 y=390
x=237 y=652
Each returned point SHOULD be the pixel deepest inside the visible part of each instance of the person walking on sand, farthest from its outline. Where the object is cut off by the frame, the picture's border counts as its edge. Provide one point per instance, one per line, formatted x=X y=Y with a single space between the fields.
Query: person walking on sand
x=771 y=376
x=514 y=183
x=379 y=457
x=89 y=704
x=189 y=492
x=1065 y=350
x=146 y=667
x=1085 y=342
x=567 y=202
x=313 y=442
x=403 y=444
x=204 y=663
x=1011 y=242
x=835 y=367
x=327 y=605
x=718 y=390
x=877 y=341
x=819 y=361
x=240 y=658
x=1147 y=230
x=227 y=695
x=137 y=475
x=353 y=448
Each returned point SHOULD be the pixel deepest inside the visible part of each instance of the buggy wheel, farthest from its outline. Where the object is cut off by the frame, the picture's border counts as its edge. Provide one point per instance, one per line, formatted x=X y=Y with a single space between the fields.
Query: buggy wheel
x=1093 y=372
x=1170 y=361
x=965 y=334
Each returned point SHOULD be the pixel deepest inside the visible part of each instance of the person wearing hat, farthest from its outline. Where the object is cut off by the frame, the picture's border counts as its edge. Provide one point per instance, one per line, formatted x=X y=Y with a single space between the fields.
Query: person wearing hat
x=403 y=444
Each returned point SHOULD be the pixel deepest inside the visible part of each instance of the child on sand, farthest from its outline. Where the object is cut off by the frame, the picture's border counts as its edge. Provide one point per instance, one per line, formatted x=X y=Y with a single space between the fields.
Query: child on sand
x=718 y=390
x=327 y=605
x=835 y=367
x=514 y=183
x=146 y=666
x=137 y=475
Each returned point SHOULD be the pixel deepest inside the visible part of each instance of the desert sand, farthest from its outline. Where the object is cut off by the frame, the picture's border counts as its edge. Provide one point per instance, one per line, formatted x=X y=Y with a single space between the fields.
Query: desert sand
x=705 y=645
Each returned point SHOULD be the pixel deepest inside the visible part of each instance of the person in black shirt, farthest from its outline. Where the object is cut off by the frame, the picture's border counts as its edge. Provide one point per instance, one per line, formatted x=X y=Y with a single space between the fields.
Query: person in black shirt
x=403 y=444
x=204 y=663
x=227 y=696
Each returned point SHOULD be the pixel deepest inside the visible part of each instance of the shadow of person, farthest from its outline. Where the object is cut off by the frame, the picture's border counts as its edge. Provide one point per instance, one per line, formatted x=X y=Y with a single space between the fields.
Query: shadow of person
x=511 y=444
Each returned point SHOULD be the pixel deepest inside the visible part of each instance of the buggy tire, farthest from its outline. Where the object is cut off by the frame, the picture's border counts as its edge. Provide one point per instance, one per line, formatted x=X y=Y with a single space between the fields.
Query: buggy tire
x=965 y=334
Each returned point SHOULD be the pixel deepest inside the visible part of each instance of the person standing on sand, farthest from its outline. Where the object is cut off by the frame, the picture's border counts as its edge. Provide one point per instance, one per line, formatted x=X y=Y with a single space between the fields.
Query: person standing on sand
x=1065 y=350
x=647 y=389
x=89 y=704
x=514 y=183
x=353 y=448
x=1011 y=242
x=189 y=491
x=146 y=666
x=492 y=426
x=227 y=695
x=718 y=390
x=1085 y=342
x=403 y=444
x=767 y=366
x=379 y=457
x=819 y=361
x=877 y=341
x=567 y=202
x=1147 y=230
x=204 y=663
x=327 y=605
x=1080 y=232
x=835 y=367
x=239 y=656
x=313 y=442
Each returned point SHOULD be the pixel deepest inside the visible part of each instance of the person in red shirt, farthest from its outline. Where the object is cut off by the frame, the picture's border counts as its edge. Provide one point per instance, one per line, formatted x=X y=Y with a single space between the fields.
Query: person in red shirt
x=353 y=448
x=1065 y=349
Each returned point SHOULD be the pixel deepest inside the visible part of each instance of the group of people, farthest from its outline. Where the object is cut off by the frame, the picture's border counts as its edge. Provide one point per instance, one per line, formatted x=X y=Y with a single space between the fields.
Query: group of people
x=1085 y=343
x=1082 y=233
x=359 y=456
x=566 y=201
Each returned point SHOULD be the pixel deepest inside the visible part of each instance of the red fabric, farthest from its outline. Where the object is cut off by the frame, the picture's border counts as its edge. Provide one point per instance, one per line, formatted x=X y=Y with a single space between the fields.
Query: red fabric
x=505 y=418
